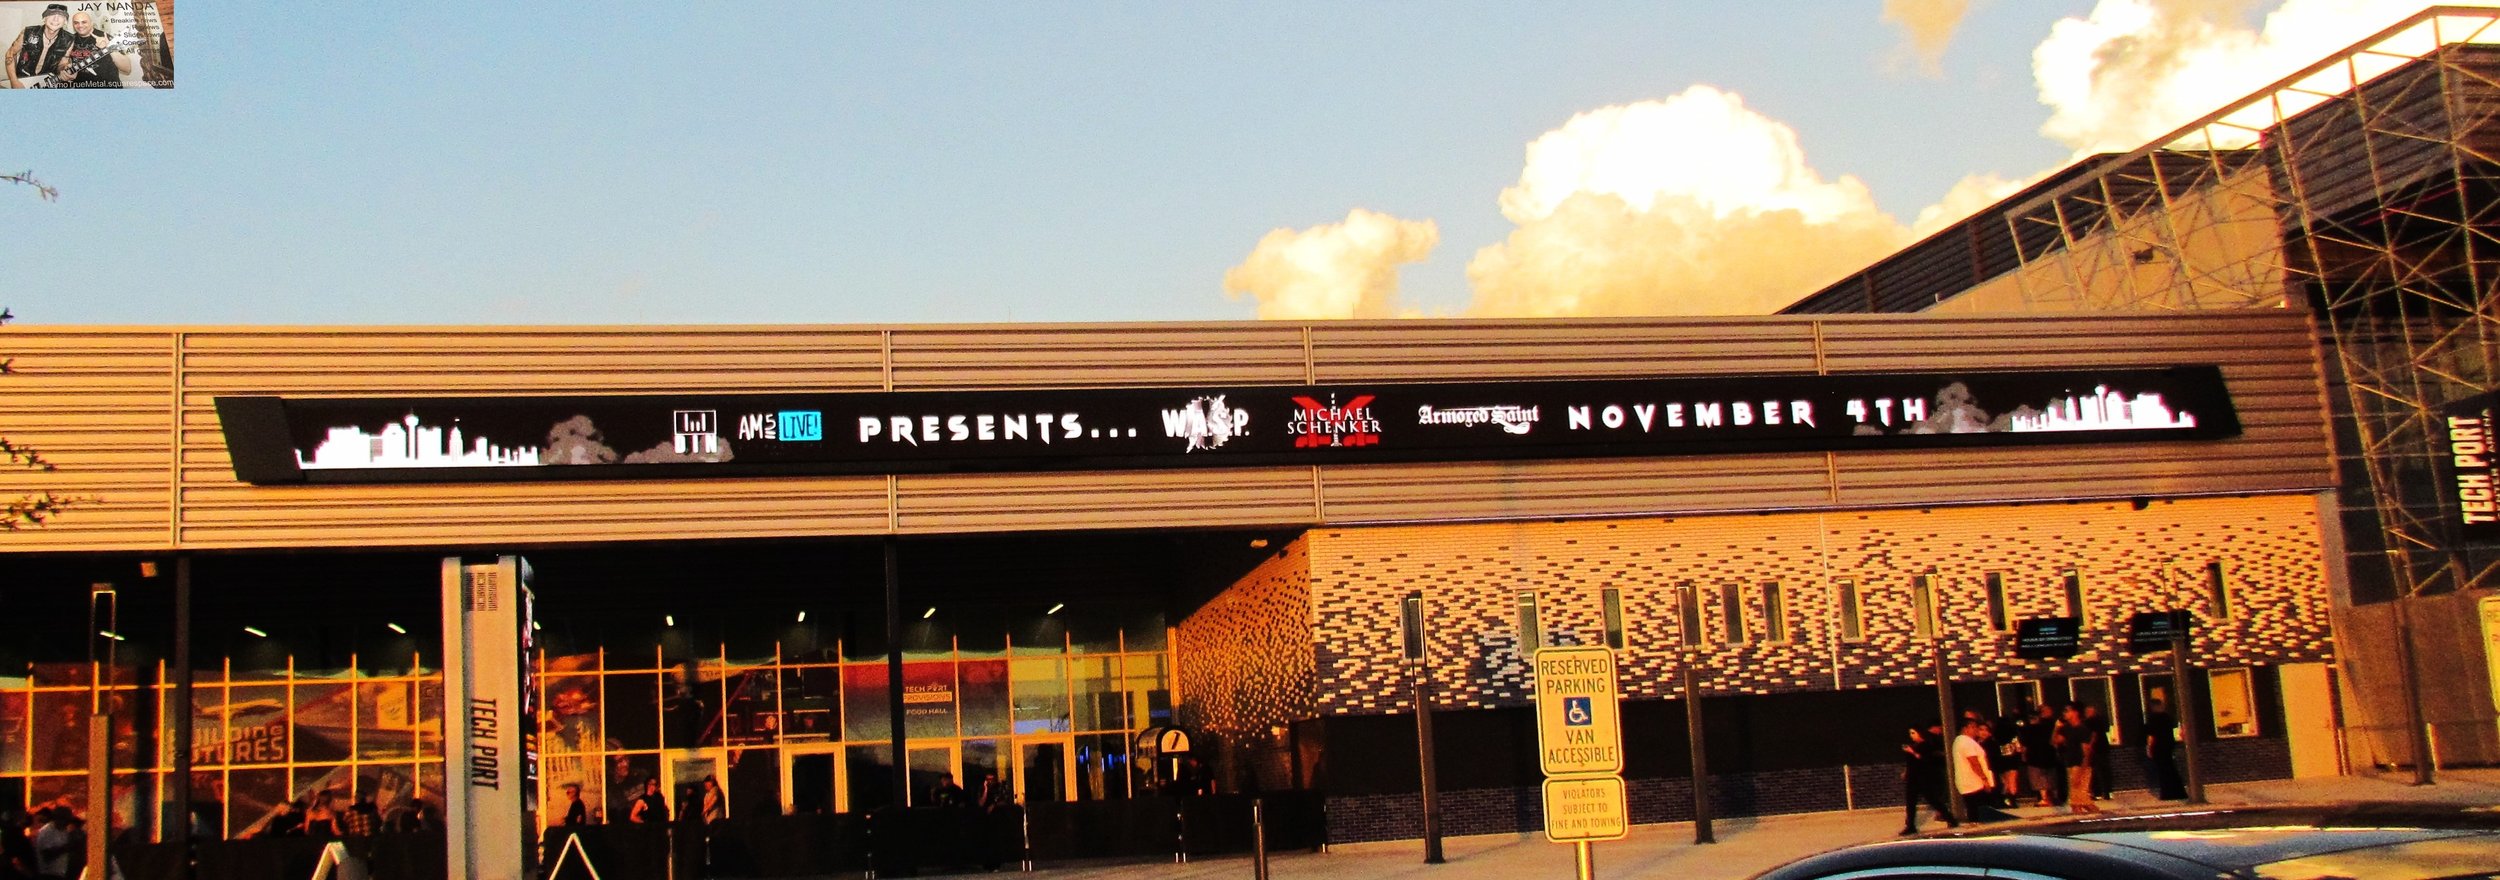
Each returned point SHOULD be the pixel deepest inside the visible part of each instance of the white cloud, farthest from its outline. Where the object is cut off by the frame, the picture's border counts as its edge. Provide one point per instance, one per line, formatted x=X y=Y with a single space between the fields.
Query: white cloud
x=2134 y=70
x=1347 y=269
x=1695 y=204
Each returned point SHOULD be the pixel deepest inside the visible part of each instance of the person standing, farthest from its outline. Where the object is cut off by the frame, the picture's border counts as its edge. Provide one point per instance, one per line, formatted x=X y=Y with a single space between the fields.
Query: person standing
x=1922 y=777
x=651 y=808
x=2074 y=752
x=1970 y=764
x=37 y=50
x=2098 y=722
x=715 y=803
x=576 y=814
x=54 y=848
x=2161 y=740
x=2048 y=779
x=2005 y=755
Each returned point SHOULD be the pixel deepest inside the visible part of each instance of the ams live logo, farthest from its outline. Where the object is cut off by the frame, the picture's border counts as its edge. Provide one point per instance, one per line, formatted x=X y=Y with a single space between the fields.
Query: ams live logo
x=789 y=425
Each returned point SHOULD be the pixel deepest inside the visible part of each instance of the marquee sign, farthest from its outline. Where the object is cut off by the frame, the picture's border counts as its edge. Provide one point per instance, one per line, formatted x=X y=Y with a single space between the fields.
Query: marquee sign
x=281 y=440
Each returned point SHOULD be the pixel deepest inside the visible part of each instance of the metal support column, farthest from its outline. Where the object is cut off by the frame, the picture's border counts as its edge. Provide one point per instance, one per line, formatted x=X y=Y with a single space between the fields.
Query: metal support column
x=2183 y=694
x=1700 y=752
x=178 y=825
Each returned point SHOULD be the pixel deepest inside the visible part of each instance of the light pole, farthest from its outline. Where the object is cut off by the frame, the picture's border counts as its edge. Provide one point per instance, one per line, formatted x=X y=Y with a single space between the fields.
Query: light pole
x=1948 y=720
x=1700 y=752
x=1413 y=617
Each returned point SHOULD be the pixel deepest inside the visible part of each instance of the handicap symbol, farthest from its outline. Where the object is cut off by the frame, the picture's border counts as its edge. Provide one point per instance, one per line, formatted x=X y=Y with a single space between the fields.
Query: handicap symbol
x=1576 y=712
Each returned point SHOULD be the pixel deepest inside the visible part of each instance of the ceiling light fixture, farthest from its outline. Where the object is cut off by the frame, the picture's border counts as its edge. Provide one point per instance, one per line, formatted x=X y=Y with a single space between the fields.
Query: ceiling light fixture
x=396 y=628
x=802 y=617
x=1258 y=543
x=255 y=631
x=111 y=635
x=669 y=619
x=932 y=612
x=1055 y=608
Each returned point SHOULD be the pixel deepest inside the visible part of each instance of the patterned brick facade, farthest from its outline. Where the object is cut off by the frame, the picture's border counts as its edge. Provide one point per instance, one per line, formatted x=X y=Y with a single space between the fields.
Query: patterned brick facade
x=1245 y=664
x=2129 y=560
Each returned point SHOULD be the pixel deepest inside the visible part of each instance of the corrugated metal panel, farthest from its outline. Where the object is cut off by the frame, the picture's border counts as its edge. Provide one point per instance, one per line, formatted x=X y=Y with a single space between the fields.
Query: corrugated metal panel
x=1424 y=351
x=103 y=404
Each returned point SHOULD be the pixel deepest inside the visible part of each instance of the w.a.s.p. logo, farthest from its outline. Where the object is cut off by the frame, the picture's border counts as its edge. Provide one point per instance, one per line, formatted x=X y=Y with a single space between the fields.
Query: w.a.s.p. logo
x=1329 y=424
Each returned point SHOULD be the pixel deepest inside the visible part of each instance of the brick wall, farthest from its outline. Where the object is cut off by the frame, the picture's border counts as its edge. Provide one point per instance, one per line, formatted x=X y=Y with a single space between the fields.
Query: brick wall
x=2130 y=560
x=1245 y=666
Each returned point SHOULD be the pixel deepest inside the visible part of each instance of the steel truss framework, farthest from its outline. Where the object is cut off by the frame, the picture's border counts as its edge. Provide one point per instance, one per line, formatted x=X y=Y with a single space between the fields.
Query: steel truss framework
x=2365 y=188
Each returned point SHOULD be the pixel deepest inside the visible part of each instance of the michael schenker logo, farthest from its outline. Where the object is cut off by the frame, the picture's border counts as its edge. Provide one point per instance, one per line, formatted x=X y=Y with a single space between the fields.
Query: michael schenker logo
x=1329 y=424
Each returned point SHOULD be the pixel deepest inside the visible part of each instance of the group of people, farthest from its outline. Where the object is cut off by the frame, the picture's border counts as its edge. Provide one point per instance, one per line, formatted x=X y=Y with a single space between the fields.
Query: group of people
x=66 y=51
x=52 y=847
x=331 y=815
x=991 y=822
x=2048 y=756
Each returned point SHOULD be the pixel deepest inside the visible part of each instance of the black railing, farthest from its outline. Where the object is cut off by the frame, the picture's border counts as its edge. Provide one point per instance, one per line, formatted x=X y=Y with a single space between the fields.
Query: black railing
x=812 y=844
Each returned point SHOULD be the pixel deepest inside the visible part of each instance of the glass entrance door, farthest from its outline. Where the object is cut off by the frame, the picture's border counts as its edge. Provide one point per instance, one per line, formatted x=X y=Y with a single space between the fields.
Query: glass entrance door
x=929 y=766
x=811 y=779
x=685 y=770
x=1044 y=768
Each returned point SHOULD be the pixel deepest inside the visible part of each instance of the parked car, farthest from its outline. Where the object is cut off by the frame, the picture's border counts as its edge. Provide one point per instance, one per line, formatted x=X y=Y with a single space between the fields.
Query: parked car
x=2379 y=841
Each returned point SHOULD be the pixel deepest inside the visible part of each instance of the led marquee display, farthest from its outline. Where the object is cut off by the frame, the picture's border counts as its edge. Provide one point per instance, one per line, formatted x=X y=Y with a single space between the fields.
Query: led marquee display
x=278 y=440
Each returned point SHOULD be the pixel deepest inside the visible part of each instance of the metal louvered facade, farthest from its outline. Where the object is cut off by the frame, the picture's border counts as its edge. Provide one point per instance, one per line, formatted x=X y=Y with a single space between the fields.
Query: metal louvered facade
x=127 y=414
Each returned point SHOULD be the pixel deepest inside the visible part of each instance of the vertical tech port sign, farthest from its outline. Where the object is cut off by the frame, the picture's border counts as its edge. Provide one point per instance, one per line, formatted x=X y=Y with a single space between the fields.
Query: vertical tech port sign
x=1579 y=726
x=2471 y=464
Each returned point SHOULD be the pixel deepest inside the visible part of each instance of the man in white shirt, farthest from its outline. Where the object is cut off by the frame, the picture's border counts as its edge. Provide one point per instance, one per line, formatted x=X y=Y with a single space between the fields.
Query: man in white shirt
x=1970 y=772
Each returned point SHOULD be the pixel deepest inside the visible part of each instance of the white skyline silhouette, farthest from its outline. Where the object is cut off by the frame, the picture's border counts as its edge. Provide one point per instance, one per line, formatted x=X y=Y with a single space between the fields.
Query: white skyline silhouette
x=409 y=444
x=2104 y=410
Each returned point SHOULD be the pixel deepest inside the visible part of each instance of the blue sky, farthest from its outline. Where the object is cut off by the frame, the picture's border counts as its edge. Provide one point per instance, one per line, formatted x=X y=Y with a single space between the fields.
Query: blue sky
x=837 y=162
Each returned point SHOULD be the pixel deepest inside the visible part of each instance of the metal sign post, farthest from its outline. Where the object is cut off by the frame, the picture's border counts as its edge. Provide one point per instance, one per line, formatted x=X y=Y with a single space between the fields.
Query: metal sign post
x=1579 y=733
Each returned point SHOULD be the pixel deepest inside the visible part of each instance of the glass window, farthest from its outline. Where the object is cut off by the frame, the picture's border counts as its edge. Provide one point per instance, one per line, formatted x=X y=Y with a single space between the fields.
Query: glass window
x=1923 y=606
x=2073 y=583
x=1688 y=609
x=1094 y=686
x=256 y=726
x=1531 y=633
x=633 y=709
x=984 y=695
x=1996 y=602
x=1411 y=625
x=1614 y=618
x=811 y=703
x=2217 y=592
x=866 y=714
x=1852 y=618
x=1732 y=611
x=928 y=701
x=386 y=718
x=1774 y=613
x=2235 y=702
x=1149 y=690
x=1047 y=634
x=1040 y=687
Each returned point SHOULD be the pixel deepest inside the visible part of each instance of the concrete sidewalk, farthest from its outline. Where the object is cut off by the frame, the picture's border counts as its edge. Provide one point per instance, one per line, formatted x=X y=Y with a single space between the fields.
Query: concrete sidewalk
x=1746 y=846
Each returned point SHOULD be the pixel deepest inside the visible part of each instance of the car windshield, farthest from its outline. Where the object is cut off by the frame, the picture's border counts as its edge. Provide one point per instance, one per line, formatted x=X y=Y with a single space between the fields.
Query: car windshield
x=2309 y=852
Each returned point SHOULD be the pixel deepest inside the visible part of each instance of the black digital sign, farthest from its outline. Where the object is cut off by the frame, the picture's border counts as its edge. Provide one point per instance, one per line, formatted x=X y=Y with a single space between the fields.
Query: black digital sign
x=2047 y=638
x=2151 y=631
x=281 y=440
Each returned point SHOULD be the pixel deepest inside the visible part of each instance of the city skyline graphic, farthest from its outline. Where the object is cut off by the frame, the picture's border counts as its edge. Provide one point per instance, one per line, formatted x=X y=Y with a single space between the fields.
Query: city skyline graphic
x=2102 y=410
x=409 y=443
